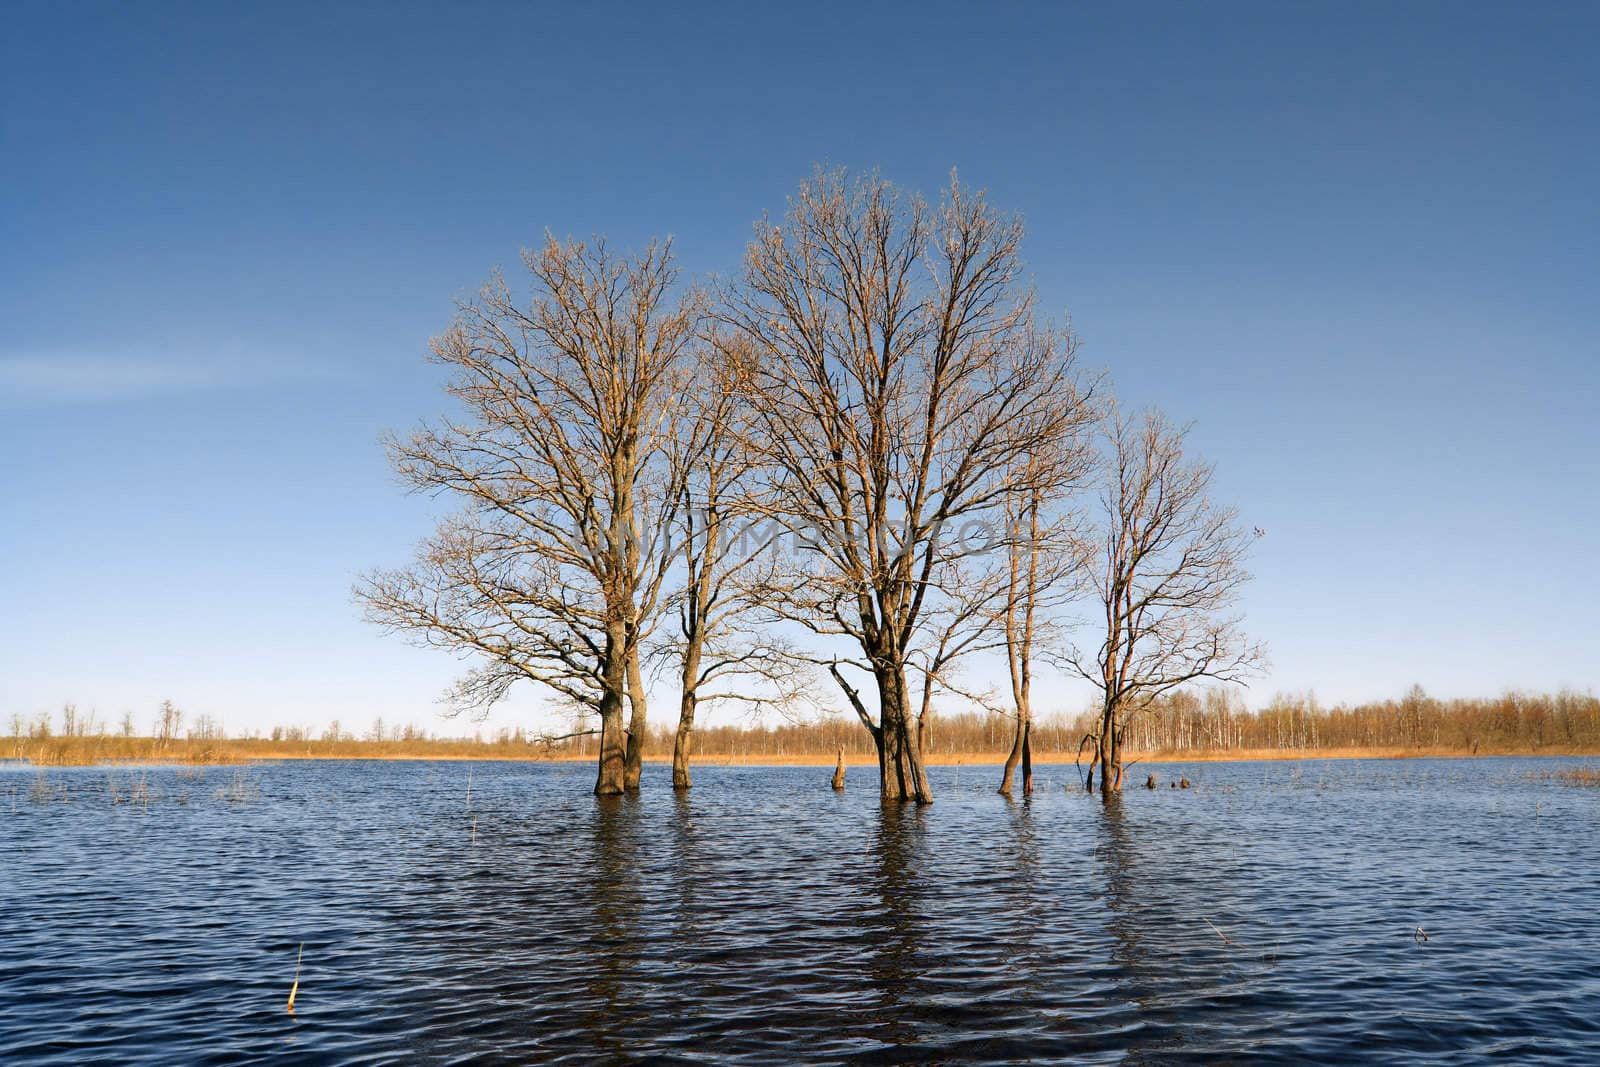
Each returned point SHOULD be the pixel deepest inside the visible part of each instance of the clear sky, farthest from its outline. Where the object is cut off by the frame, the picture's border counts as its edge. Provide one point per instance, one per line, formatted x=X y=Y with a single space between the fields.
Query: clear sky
x=1355 y=243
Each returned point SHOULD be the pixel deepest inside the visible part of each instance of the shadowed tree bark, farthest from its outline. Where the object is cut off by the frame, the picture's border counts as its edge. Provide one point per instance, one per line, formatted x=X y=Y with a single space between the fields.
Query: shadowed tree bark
x=896 y=374
x=1169 y=569
x=566 y=468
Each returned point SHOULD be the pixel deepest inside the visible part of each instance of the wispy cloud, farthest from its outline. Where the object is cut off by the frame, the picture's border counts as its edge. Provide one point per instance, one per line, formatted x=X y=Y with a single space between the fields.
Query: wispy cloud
x=74 y=377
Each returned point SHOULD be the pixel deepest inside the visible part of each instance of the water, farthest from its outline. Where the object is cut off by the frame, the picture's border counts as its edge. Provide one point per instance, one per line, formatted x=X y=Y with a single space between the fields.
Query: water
x=765 y=919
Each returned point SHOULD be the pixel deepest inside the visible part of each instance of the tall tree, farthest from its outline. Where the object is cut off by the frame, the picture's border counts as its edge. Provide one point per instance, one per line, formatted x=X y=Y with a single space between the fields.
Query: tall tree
x=1169 y=568
x=569 y=476
x=899 y=372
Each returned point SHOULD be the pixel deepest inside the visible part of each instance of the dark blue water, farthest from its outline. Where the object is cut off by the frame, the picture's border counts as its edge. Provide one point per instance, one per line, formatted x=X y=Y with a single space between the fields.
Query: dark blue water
x=764 y=919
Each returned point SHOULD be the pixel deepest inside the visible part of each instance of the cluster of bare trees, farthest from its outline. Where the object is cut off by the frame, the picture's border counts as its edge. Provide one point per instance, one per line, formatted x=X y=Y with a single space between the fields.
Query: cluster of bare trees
x=865 y=455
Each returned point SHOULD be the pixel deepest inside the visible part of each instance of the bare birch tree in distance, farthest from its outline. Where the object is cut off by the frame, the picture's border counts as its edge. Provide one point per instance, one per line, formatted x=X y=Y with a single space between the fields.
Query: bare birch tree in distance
x=898 y=373
x=569 y=472
x=1169 y=569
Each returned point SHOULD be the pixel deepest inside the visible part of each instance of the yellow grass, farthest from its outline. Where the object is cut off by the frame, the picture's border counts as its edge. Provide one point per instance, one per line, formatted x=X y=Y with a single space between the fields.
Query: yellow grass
x=961 y=759
x=88 y=751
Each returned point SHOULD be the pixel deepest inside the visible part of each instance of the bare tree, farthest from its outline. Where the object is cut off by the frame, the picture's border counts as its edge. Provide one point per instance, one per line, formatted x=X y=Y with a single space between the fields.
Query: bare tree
x=554 y=570
x=898 y=373
x=1044 y=557
x=168 y=721
x=720 y=554
x=1169 y=569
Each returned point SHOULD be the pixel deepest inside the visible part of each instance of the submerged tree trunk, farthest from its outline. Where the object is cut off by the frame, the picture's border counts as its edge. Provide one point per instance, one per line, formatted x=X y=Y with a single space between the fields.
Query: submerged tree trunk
x=838 y=770
x=612 y=778
x=1110 y=754
x=1013 y=758
x=1021 y=747
x=900 y=770
x=1027 y=760
x=694 y=637
x=637 y=724
x=684 y=742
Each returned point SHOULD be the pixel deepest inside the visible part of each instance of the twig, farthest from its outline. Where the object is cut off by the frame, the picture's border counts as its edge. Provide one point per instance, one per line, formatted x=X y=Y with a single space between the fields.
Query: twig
x=1219 y=933
x=550 y=739
x=1420 y=935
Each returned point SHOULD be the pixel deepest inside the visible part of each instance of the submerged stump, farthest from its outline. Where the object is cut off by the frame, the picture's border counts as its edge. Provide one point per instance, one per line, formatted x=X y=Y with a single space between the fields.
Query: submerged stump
x=838 y=770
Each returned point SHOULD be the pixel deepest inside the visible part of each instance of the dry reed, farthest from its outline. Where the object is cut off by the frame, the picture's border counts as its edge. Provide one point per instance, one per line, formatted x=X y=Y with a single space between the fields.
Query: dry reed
x=294 y=990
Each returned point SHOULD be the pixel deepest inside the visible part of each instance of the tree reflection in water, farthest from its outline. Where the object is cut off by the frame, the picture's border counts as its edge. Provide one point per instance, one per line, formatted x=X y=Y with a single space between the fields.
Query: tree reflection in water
x=892 y=929
x=615 y=904
x=1167 y=960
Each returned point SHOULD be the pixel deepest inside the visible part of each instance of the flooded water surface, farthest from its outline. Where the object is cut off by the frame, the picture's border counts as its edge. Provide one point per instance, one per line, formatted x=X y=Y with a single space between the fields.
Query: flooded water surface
x=1421 y=911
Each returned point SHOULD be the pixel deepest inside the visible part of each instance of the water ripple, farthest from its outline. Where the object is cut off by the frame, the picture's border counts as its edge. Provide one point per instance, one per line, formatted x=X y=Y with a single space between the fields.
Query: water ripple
x=1267 y=915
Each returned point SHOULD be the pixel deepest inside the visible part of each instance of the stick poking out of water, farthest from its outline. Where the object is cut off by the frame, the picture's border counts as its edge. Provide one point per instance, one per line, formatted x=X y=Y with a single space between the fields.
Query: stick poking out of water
x=1214 y=930
x=294 y=989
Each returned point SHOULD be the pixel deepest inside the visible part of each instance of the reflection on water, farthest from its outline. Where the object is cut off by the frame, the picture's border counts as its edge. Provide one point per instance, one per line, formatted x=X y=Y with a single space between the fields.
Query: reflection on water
x=1266 y=914
x=614 y=904
x=891 y=927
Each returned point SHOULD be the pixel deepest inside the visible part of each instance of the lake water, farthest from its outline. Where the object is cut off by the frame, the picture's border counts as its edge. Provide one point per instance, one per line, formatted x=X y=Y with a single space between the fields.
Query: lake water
x=764 y=919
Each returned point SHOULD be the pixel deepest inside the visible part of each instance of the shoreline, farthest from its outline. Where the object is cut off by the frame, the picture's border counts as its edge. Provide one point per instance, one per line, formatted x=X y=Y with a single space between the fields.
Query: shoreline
x=953 y=759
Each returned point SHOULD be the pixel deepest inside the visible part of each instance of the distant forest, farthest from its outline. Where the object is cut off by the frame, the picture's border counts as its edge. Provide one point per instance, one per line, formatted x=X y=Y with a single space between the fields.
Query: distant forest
x=1208 y=723
x=1216 y=721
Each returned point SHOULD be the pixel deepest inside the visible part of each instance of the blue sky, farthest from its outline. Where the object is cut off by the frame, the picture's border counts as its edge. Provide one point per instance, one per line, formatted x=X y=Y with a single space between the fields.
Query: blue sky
x=1355 y=243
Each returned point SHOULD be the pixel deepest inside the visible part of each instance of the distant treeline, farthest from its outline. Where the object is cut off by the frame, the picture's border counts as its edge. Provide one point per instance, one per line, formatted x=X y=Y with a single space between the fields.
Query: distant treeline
x=1196 y=723
x=1217 y=721
x=86 y=749
x=73 y=737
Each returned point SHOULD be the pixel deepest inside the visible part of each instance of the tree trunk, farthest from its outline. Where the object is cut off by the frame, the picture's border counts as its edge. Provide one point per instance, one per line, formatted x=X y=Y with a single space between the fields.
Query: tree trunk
x=636 y=724
x=900 y=770
x=1013 y=758
x=1027 y=759
x=682 y=744
x=613 y=744
x=685 y=739
x=1110 y=758
x=838 y=770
